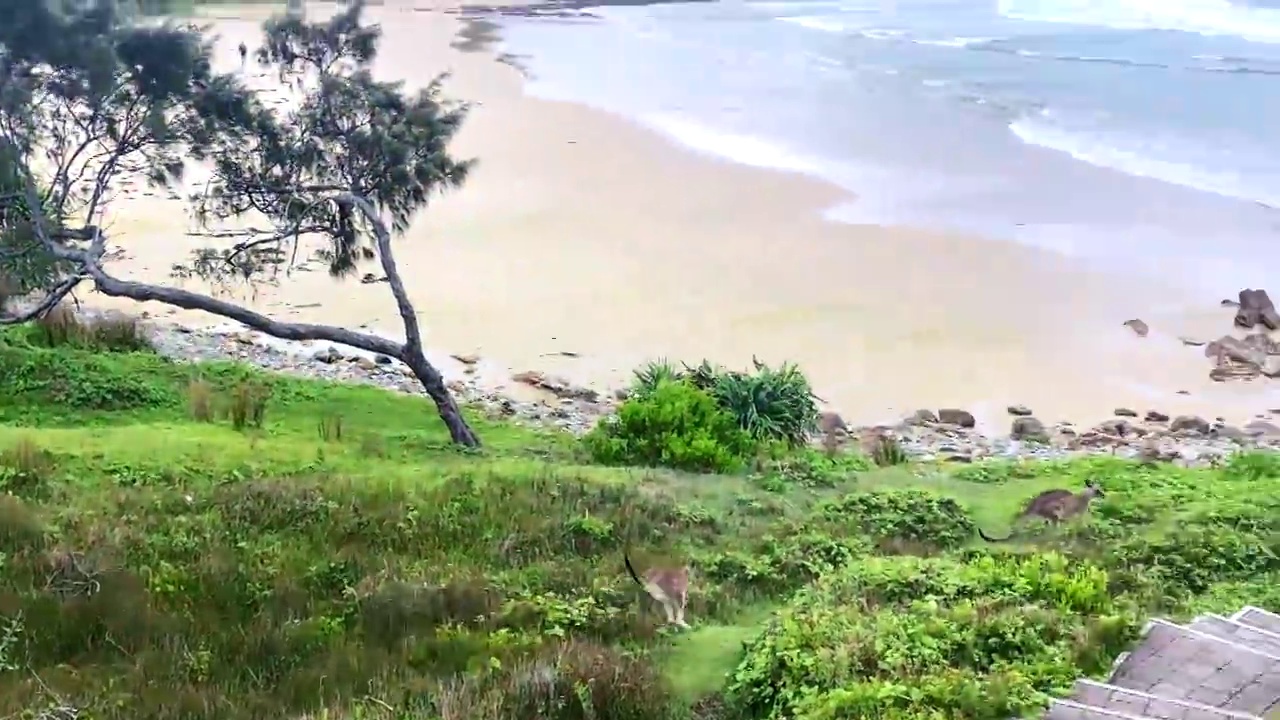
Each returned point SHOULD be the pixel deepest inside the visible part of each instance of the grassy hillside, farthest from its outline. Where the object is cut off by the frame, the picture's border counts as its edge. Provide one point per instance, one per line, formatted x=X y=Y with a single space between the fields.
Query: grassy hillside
x=208 y=541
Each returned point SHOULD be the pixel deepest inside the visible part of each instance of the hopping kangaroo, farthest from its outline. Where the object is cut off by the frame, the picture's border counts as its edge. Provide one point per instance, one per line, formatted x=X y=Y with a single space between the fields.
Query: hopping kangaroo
x=1054 y=506
x=667 y=585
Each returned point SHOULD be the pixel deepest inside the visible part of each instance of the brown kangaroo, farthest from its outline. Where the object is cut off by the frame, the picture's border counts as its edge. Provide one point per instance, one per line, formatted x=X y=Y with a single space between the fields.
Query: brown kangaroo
x=668 y=585
x=1054 y=506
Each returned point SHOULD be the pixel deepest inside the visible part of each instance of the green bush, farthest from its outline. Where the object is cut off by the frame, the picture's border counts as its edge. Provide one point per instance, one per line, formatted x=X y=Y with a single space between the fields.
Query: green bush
x=904 y=516
x=772 y=405
x=675 y=425
x=909 y=637
x=81 y=380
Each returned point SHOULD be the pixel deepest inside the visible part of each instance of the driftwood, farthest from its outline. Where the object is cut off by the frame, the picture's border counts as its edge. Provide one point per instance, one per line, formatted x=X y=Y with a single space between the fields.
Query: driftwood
x=1256 y=309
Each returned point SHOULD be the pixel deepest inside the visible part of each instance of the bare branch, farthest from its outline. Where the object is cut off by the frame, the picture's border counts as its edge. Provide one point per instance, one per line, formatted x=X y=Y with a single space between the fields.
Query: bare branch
x=51 y=300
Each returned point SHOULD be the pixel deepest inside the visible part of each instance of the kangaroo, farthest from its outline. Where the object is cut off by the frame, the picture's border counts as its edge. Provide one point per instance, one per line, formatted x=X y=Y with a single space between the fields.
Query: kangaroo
x=667 y=585
x=1054 y=506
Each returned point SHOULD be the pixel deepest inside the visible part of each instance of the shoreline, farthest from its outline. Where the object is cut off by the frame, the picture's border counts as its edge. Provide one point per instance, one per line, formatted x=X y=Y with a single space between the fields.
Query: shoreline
x=571 y=238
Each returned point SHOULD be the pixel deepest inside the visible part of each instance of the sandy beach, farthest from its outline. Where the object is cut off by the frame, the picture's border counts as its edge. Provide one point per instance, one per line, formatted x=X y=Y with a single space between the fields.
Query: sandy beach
x=582 y=232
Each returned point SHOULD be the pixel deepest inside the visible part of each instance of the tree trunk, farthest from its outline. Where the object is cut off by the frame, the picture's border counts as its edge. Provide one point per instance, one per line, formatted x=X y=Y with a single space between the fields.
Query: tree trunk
x=459 y=431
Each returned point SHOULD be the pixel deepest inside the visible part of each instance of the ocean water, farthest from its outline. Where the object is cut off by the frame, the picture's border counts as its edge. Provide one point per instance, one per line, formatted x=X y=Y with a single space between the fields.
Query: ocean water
x=1132 y=132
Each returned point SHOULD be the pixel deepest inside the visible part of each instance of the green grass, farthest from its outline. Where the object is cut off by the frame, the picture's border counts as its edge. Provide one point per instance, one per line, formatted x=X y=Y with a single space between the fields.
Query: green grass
x=343 y=560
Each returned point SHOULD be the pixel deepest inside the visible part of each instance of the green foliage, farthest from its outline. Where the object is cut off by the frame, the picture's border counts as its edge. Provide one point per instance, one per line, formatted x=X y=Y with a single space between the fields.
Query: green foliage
x=575 y=681
x=997 y=471
x=810 y=468
x=343 y=559
x=909 y=637
x=80 y=380
x=62 y=326
x=676 y=426
x=25 y=264
x=904 y=516
x=369 y=137
x=887 y=451
x=772 y=405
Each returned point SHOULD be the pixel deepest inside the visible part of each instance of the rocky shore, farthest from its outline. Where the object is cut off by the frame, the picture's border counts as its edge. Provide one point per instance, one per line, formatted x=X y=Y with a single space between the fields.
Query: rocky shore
x=947 y=434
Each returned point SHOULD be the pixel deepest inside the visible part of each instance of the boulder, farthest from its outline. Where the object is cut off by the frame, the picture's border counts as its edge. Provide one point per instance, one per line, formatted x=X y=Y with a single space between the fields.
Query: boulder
x=1262 y=428
x=1019 y=410
x=957 y=417
x=1190 y=423
x=830 y=423
x=921 y=417
x=1256 y=309
x=1028 y=428
x=1125 y=412
x=1155 y=416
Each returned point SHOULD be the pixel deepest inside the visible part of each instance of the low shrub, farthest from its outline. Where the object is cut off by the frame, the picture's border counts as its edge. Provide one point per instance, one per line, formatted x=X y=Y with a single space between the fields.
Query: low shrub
x=248 y=404
x=112 y=332
x=675 y=425
x=887 y=451
x=200 y=396
x=988 y=638
x=573 y=681
x=25 y=468
x=69 y=379
x=770 y=404
x=810 y=468
x=910 y=516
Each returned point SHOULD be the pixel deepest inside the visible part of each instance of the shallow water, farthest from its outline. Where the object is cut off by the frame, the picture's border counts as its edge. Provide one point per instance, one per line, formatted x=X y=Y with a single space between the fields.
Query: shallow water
x=1137 y=133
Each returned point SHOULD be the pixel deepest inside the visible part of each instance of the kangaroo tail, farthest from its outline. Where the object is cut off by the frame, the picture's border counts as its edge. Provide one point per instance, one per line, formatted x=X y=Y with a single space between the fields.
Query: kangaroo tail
x=631 y=569
x=988 y=538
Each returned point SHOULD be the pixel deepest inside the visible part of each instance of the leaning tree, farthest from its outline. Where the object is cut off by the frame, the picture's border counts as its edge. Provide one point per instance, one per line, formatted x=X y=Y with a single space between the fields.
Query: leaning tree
x=90 y=101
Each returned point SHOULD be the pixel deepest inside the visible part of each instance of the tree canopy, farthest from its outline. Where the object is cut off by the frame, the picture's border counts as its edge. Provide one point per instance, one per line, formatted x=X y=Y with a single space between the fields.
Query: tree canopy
x=89 y=99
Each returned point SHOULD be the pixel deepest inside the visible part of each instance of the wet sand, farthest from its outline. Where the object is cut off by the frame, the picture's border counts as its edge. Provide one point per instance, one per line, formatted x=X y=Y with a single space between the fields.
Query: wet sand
x=582 y=232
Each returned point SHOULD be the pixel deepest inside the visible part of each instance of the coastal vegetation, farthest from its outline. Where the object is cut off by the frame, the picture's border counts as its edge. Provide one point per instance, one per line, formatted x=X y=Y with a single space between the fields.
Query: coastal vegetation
x=208 y=540
x=90 y=101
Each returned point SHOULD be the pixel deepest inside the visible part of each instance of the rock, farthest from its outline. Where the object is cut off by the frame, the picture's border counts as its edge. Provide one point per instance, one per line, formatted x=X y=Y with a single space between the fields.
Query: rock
x=529 y=377
x=1262 y=428
x=467 y=359
x=957 y=417
x=1019 y=410
x=1256 y=309
x=921 y=417
x=1229 y=303
x=1028 y=428
x=1229 y=432
x=365 y=363
x=1138 y=327
x=1191 y=341
x=621 y=394
x=1190 y=423
x=1124 y=412
x=383 y=360
x=1155 y=416
x=557 y=386
x=1251 y=350
x=1116 y=427
x=328 y=355
x=830 y=423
